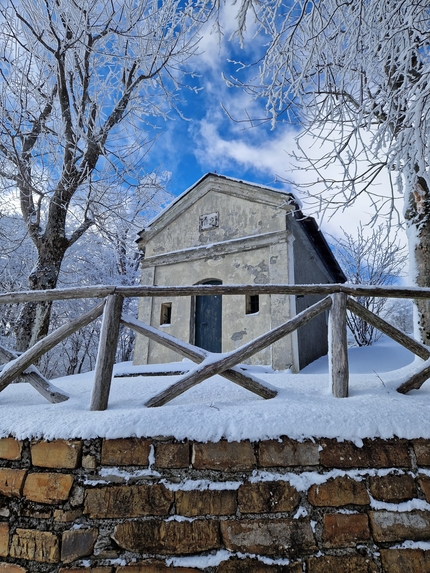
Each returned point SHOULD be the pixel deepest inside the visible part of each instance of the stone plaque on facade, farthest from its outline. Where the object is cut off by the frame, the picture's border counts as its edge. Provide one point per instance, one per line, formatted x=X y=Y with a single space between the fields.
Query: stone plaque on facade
x=209 y=221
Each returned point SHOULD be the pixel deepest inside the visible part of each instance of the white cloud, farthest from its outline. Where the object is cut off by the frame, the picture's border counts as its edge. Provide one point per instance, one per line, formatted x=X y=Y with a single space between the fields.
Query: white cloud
x=269 y=156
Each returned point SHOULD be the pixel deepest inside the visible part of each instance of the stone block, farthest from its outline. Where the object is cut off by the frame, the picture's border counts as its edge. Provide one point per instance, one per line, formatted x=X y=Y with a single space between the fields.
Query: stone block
x=255 y=566
x=68 y=516
x=287 y=453
x=4 y=539
x=345 y=530
x=76 y=498
x=373 y=454
x=11 y=482
x=338 y=492
x=209 y=502
x=10 y=449
x=86 y=570
x=422 y=452
x=172 y=455
x=405 y=560
x=59 y=454
x=48 y=487
x=389 y=526
x=125 y=452
x=225 y=456
x=89 y=462
x=267 y=497
x=35 y=513
x=168 y=537
x=40 y=546
x=128 y=501
x=425 y=486
x=10 y=568
x=393 y=488
x=77 y=543
x=341 y=564
x=283 y=537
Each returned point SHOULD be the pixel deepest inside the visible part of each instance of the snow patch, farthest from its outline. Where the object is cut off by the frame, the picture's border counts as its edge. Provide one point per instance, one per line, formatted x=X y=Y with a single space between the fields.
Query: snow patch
x=202 y=485
x=127 y=475
x=400 y=507
x=424 y=545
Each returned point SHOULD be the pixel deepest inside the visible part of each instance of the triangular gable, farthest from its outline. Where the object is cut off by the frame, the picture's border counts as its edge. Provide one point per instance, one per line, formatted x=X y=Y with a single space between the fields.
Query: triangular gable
x=220 y=184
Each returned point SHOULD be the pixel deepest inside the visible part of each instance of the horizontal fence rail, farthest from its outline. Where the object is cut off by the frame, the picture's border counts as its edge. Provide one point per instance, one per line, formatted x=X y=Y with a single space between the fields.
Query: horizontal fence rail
x=338 y=299
x=161 y=291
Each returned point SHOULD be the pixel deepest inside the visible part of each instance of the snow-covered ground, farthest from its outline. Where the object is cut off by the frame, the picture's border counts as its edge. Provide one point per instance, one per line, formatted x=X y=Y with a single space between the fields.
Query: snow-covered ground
x=217 y=408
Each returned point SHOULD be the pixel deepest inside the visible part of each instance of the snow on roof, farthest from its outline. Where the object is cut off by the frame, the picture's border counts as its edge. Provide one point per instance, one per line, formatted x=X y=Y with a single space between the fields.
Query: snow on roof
x=217 y=408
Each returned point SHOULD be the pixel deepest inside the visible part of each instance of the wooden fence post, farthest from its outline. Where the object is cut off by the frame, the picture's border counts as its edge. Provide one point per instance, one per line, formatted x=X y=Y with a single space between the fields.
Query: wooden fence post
x=337 y=346
x=106 y=352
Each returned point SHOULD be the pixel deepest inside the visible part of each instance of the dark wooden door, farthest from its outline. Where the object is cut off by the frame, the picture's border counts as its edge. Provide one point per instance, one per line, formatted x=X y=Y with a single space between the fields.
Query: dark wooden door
x=208 y=328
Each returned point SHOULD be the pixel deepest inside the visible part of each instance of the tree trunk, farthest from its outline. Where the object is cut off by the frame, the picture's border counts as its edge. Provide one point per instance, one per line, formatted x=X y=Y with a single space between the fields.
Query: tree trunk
x=417 y=215
x=33 y=321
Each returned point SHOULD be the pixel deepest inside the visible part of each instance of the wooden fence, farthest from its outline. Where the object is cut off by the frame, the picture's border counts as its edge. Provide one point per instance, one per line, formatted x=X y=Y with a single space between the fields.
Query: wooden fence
x=338 y=298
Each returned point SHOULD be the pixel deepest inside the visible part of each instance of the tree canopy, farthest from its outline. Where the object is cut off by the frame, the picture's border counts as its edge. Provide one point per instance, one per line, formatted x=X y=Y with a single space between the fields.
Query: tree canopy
x=79 y=83
x=355 y=74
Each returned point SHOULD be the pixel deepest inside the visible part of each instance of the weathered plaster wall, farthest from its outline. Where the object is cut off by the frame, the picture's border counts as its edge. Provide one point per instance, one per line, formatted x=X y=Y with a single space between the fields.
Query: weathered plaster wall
x=259 y=266
x=230 y=269
x=139 y=505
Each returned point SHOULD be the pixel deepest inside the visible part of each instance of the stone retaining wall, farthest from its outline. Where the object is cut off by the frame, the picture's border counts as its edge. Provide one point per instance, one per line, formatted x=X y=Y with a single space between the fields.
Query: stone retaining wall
x=137 y=505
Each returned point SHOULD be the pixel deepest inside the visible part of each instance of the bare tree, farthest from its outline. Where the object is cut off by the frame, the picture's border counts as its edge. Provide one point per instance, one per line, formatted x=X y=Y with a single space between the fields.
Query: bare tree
x=17 y=257
x=79 y=83
x=355 y=74
x=105 y=254
x=375 y=259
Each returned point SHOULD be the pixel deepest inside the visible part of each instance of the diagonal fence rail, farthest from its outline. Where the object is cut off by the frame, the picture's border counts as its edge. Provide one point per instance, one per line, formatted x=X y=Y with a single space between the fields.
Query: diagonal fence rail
x=338 y=299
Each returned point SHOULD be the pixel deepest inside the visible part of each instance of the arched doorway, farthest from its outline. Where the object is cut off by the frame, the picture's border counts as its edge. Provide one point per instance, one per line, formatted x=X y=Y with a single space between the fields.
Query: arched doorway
x=208 y=320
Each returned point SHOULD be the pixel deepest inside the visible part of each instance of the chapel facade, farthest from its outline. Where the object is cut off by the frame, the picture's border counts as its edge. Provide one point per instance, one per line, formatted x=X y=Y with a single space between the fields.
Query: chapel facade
x=226 y=231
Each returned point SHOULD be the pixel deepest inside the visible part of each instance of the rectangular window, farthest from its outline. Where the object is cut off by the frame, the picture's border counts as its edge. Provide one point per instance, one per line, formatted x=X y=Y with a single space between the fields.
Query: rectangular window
x=166 y=313
x=252 y=303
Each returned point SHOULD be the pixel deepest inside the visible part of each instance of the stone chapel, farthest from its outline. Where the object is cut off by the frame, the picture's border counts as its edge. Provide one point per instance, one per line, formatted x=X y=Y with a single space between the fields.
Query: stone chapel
x=226 y=231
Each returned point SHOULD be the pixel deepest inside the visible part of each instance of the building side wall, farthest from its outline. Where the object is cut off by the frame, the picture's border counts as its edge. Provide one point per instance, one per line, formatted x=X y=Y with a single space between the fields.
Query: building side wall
x=309 y=269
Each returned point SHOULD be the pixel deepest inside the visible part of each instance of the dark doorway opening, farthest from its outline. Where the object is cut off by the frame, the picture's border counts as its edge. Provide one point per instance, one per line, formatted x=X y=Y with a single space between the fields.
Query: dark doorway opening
x=208 y=320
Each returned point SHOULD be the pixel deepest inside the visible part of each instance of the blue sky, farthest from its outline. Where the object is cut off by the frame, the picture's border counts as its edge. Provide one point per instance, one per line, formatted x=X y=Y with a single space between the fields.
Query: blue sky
x=210 y=140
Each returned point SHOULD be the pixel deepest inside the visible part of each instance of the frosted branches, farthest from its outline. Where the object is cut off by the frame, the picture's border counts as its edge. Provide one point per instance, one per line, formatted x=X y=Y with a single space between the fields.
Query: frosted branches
x=376 y=259
x=78 y=83
x=356 y=74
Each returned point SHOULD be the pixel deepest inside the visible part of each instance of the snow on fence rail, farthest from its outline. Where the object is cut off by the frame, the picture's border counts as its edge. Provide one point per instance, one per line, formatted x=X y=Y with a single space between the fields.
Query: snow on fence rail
x=337 y=301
